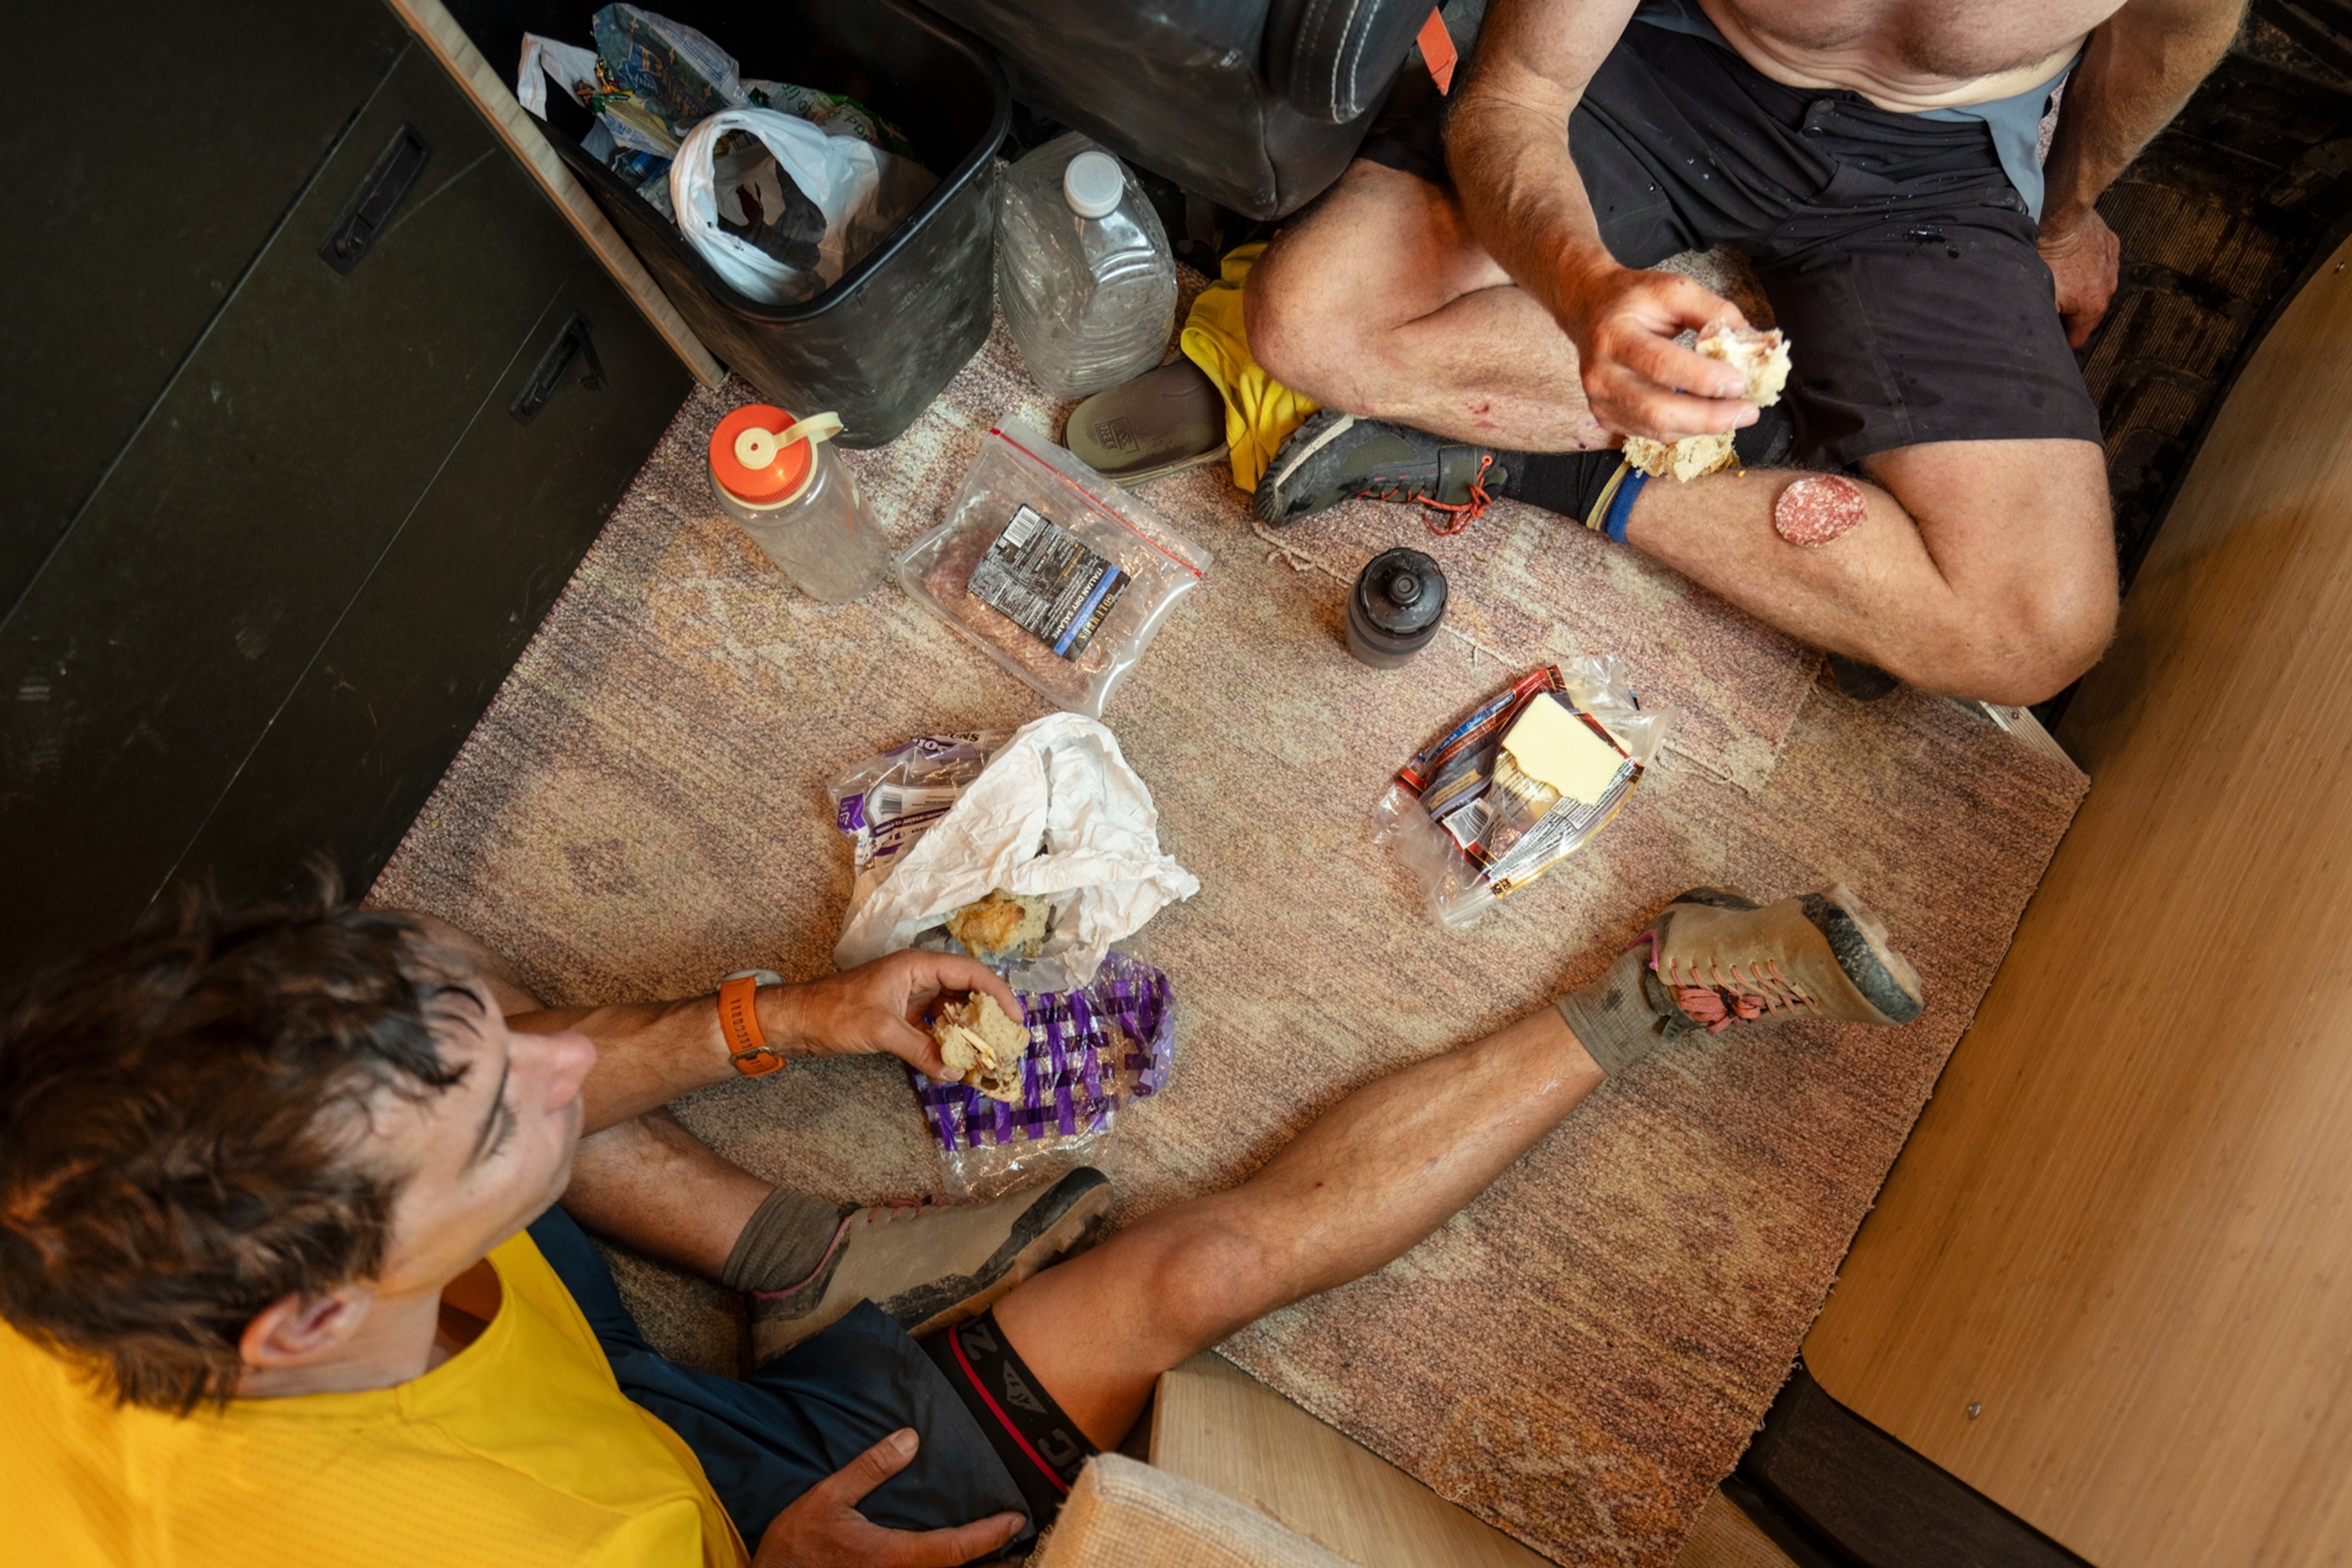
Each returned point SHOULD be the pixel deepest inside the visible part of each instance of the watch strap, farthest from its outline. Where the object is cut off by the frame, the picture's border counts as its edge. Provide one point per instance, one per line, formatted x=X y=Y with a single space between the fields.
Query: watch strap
x=739 y=1021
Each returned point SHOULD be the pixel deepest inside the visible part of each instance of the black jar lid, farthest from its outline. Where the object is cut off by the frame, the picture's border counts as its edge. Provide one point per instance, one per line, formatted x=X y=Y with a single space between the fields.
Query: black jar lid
x=1401 y=592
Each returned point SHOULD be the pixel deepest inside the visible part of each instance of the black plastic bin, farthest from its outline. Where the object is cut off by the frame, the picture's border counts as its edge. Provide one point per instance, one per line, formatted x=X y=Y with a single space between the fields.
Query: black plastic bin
x=878 y=345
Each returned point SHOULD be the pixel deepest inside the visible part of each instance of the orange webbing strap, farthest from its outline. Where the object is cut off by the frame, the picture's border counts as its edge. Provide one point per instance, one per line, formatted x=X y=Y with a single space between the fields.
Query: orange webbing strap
x=1437 y=52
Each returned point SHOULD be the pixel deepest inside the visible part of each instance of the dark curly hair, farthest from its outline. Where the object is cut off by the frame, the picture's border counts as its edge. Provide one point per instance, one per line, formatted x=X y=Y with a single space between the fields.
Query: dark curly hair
x=179 y=1118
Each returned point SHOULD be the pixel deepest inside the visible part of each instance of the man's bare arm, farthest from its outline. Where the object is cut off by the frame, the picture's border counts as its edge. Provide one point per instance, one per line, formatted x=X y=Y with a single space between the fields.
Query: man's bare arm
x=2140 y=66
x=649 y=1053
x=1506 y=146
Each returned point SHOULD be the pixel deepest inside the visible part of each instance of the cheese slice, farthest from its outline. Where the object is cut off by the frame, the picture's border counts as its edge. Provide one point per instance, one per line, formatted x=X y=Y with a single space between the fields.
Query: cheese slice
x=1550 y=743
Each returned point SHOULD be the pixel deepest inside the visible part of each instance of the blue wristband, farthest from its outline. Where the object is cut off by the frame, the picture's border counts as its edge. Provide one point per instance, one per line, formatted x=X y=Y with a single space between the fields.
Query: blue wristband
x=1620 y=503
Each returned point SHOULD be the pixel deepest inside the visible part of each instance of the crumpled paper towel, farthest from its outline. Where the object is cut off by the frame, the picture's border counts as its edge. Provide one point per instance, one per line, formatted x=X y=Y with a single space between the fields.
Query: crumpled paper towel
x=1058 y=813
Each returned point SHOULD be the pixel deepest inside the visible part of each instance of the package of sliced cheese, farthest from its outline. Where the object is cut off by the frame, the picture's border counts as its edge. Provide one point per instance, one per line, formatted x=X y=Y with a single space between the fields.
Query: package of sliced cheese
x=1519 y=784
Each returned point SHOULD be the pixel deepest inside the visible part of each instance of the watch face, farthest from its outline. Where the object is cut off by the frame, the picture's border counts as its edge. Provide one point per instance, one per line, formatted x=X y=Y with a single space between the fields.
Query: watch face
x=764 y=976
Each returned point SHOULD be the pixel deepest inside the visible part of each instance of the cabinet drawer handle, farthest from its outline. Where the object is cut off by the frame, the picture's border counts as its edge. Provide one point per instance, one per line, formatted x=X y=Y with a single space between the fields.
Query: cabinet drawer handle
x=370 y=210
x=574 y=340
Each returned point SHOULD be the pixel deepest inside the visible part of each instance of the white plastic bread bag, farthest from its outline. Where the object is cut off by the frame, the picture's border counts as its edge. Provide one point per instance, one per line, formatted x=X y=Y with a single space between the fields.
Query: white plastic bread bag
x=1058 y=813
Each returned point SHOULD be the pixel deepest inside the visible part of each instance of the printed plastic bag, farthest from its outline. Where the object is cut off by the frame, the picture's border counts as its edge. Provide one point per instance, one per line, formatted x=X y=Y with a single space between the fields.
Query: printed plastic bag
x=1473 y=825
x=1090 y=1049
x=861 y=191
x=885 y=803
x=1055 y=572
x=1052 y=811
x=666 y=75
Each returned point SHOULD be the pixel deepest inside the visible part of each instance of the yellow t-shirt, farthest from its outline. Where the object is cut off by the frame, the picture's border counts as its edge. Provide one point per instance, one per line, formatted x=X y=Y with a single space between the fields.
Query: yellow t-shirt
x=519 y=1451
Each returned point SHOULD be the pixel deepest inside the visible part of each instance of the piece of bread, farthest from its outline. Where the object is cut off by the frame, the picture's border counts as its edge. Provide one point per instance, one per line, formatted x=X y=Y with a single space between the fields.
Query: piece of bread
x=1002 y=926
x=1763 y=359
x=981 y=1046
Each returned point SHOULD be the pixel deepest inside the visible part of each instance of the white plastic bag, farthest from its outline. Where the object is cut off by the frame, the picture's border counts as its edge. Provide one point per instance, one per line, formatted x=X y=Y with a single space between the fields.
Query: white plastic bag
x=573 y=68
x=862 y=191
x=1057 y=813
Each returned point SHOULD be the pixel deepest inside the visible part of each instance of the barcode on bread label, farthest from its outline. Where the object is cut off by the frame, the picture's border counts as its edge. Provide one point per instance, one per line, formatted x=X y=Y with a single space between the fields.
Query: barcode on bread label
x=1040 y=576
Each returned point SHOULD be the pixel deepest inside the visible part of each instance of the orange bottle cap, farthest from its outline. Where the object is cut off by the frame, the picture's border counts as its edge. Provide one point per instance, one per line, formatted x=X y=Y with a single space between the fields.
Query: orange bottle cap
x=748 y=460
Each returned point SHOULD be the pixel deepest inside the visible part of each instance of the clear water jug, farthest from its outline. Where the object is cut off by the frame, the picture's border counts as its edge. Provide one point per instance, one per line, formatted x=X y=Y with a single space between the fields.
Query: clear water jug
x=781 y=479
x=1083 y=270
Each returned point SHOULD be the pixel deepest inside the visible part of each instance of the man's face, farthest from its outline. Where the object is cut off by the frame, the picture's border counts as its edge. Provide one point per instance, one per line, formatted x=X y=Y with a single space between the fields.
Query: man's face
x=488 y=1154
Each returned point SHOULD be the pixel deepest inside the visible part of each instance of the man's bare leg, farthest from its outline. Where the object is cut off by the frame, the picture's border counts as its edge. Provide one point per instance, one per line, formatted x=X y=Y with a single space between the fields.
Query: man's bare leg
x=1397 y=1158
x=1383 y=304
x=1370 y=1180
x=1374 y=1177
x=656 y=1188
x=1986 y=569
x=1982 y=569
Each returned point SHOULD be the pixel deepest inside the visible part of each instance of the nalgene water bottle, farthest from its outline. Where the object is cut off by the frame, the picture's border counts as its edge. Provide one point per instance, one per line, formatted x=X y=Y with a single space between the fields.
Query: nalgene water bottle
x=1082 y=270
x=783 y=481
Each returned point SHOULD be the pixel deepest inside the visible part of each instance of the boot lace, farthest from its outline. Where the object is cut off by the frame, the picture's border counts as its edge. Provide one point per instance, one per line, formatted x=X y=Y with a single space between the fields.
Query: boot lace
x=1459 y=515
x=1719 y=997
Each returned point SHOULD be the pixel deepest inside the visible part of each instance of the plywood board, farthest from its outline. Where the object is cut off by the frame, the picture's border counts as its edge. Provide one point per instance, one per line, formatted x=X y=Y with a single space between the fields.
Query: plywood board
x=1727 y=1538
x=1216 y=1425
x=2109 y=1283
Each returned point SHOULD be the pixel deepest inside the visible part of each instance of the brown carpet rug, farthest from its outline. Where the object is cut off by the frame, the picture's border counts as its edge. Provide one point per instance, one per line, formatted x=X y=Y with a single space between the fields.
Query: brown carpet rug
x=1582 y=1354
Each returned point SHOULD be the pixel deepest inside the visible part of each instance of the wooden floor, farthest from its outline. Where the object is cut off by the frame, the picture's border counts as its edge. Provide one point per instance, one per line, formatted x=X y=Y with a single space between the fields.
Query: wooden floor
x=2109 y=1282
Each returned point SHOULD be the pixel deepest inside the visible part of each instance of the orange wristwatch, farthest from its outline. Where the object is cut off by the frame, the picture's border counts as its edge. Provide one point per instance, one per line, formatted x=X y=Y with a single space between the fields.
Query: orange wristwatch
x=739 y=1021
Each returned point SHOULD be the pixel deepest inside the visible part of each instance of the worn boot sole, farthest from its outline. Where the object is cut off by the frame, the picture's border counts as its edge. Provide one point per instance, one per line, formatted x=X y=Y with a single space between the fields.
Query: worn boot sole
x=1274 y=491
x=1883 y=975
x=1163 y=422
x=1064 y=1218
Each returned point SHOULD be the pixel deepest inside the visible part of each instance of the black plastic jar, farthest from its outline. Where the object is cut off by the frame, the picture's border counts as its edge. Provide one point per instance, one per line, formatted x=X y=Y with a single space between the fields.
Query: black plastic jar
x=1398 y=602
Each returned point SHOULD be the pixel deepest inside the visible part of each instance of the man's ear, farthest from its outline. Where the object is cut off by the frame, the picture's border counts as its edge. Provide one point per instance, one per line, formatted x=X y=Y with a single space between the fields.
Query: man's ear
x=299 y=1330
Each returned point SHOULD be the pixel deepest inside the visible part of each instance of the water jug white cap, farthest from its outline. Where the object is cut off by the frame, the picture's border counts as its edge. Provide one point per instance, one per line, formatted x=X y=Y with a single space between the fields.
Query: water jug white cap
x=1093 y=183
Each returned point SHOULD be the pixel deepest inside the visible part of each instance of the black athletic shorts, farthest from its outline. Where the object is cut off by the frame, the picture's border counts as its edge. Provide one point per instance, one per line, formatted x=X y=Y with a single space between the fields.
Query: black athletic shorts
x=1896 y=254
x=988 y=1427
x=1040 y=1445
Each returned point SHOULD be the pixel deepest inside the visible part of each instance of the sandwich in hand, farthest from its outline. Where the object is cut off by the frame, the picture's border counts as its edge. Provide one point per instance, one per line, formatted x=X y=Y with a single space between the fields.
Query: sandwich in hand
x=1763 y=359
x=981 y=1046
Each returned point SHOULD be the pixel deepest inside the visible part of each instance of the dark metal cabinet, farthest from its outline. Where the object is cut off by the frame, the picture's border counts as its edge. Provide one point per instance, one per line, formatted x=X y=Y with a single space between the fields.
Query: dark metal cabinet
x=160 y=151
x=272 y=623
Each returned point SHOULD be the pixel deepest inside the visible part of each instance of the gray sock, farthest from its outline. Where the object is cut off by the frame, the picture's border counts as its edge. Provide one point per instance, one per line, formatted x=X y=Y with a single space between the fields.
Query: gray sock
x=783 y=1241
x=1624 y=1015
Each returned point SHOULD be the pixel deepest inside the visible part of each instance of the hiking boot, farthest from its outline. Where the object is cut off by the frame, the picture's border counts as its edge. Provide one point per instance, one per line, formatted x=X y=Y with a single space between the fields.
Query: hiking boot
x=1334 y=456
x=1714 y=960
x=928 y=1264
x=1723 y=960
